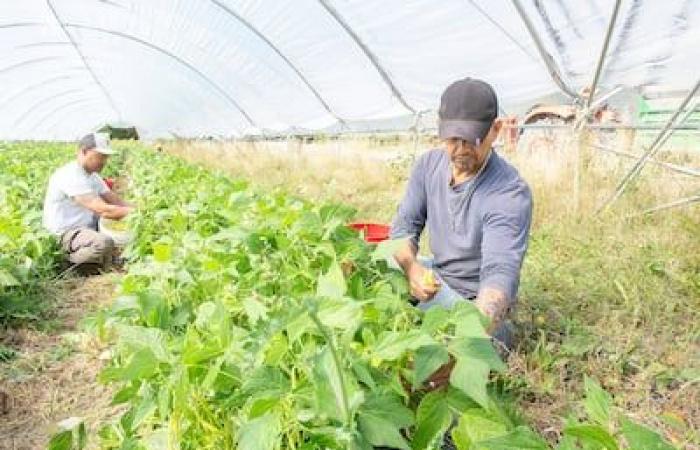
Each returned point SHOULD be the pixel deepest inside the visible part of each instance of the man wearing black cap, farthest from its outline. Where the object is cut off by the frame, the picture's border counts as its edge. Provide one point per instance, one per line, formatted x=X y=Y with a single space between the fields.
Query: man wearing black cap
x=76 y=196
x=476 y=206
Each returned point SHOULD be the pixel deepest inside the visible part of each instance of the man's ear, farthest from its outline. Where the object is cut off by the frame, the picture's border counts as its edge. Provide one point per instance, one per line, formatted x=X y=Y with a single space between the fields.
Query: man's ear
x=494 y=130
x=497 y=126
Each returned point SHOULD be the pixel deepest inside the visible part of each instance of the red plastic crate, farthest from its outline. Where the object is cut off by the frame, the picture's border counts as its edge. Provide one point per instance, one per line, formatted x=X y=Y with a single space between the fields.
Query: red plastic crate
x=373 y=232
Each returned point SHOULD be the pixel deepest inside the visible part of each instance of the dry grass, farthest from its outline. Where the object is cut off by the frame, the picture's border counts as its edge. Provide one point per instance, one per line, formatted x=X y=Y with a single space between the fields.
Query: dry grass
x=611 y=296
x=55 y=375
x=350 y=172
x=370 y=174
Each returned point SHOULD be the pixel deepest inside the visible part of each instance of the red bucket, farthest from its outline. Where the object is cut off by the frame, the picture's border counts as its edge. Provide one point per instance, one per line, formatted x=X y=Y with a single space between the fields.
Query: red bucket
x=373 y=232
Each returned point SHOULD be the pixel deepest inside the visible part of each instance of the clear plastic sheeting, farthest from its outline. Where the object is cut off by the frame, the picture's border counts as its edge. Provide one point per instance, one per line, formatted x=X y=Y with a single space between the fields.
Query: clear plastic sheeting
x=231 y=68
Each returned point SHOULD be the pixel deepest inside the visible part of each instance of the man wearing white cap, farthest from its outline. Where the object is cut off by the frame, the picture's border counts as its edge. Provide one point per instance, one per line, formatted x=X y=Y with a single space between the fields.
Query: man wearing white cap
x=76 y=197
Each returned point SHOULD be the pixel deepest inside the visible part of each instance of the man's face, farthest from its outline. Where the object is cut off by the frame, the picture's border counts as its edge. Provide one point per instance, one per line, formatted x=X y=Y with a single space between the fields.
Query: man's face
x=93 y=161
x=465 y=156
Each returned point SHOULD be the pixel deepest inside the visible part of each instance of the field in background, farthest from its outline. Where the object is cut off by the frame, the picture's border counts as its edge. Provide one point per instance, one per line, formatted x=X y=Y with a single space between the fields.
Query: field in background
x=615 y=296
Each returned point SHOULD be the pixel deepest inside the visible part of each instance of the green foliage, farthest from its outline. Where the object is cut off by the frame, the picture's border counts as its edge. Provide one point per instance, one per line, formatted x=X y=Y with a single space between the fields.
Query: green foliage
x=28 y=253
x=260 y=320
x=71 y=435
x=428 y=359
x=600 y=432
x=432 y=420
x=597 y=402
x=640 y=437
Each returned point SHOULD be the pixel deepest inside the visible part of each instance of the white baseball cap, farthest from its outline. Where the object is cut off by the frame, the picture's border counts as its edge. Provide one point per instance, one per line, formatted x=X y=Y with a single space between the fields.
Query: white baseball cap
x=98 y=142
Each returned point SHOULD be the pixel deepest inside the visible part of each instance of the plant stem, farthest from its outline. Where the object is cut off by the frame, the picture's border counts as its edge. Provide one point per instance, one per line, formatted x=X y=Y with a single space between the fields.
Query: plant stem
x=336 y=362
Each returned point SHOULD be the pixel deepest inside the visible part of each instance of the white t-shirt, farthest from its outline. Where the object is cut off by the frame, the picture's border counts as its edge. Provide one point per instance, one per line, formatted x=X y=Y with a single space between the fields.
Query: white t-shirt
x=61 y=212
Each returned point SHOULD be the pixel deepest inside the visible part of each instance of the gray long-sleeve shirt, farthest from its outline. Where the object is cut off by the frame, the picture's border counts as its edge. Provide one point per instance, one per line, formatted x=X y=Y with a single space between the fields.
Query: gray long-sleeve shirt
x=478 y=229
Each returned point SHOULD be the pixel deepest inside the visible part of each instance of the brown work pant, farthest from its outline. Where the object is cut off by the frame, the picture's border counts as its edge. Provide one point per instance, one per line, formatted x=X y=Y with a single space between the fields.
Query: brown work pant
x=87 y=246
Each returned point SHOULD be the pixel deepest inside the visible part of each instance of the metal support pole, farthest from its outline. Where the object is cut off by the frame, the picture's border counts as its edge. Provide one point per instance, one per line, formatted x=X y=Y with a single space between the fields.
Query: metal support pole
x=604 y=98
x=674 y=167
x=603 y=53
x=675 y=204
x=84 y=60
x=260 y=35
x=546 y=57
x=583 y=114
x=368 y=53
x=682 y=120
x=611 y=126
x=416 y=134
x=586 y=111
x=661 y=139
x=202 y=76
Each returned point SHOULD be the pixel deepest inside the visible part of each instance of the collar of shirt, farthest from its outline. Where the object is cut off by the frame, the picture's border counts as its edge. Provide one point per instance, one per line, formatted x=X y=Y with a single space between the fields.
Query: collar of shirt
x=463 y=191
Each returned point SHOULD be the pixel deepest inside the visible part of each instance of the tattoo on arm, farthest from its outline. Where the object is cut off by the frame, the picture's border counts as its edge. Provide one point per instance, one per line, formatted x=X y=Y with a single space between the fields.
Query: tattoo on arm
x=492 y=303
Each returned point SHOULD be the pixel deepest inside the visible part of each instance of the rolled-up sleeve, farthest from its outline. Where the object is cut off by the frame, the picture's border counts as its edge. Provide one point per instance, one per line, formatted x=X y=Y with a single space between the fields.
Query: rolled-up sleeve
x=506 y=229
x=412 y=212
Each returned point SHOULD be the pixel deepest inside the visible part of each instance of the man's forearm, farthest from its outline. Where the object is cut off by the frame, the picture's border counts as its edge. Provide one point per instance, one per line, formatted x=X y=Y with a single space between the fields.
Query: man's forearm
x=406 y=256
x=493 y=303
x=113 y=199
x=99 y=206
x=114 y=212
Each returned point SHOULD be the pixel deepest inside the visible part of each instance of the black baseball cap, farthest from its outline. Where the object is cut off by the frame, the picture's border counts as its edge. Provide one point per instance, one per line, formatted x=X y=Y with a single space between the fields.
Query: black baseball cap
x=468 y=108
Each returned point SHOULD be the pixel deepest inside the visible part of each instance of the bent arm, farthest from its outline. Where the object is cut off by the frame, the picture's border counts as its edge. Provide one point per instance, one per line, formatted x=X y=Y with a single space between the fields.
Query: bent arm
x=114 y=199
x=504 y=243
x=100 y=207
x=409 y=223
x=412 y=213
x=406 y=256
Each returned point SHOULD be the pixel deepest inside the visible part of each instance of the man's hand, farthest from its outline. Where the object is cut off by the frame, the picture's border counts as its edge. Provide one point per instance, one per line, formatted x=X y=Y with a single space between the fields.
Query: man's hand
x=422 y=281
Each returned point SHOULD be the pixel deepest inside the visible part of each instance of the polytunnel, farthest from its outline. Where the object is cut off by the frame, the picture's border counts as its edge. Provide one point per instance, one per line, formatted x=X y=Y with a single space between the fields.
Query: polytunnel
x=233 y=68
x=310 y=225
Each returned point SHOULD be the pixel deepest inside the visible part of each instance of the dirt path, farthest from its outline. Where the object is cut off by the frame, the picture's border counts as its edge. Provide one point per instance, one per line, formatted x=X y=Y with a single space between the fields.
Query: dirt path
x=54 y=375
